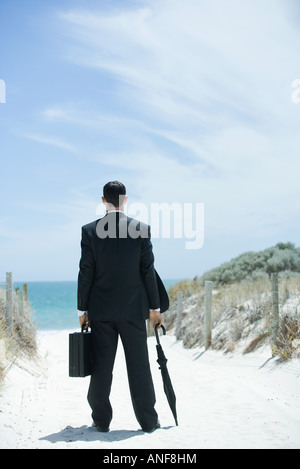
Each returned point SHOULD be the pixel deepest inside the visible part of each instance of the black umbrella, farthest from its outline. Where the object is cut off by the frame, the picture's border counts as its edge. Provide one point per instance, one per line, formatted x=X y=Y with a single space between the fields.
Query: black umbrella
x=162 y=361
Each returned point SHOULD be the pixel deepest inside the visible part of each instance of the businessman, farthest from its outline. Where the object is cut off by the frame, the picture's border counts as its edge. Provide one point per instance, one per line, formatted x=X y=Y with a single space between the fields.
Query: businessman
x=118 y=289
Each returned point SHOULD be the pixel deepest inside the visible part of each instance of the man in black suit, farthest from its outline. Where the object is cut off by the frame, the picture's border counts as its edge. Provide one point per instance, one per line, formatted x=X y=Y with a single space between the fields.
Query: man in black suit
x=118 y=288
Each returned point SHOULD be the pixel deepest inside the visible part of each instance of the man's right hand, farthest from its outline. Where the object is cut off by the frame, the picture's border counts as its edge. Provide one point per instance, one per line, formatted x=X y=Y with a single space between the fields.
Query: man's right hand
x=83 y=320
x=155 y=317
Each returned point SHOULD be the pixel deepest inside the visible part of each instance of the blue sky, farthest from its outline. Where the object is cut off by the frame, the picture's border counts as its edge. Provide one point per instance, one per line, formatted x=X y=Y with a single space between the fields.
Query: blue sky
x=184 y=102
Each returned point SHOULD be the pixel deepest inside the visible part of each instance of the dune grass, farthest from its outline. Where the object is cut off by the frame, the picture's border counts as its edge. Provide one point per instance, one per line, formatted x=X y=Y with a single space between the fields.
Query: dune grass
x=242 y=303
x=20 y=340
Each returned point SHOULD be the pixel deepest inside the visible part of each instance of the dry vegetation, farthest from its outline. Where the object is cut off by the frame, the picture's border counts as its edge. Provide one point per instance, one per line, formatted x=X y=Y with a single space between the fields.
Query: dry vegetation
x=241 y=316
x=20 y=342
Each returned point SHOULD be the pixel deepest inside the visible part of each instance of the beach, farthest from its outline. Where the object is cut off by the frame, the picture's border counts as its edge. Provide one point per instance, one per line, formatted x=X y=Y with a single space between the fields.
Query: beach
x=223 y=401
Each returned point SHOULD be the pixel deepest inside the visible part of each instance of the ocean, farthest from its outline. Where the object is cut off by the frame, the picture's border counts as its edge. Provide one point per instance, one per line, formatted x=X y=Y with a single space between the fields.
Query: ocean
x=54 y=304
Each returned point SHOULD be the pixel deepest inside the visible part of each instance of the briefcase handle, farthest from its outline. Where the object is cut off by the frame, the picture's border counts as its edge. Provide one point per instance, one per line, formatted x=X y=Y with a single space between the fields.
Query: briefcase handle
x=83 y=327
x=156 y=332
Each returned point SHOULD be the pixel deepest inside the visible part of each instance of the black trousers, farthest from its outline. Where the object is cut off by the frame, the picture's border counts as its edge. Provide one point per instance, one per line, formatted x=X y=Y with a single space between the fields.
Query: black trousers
x=133 y=335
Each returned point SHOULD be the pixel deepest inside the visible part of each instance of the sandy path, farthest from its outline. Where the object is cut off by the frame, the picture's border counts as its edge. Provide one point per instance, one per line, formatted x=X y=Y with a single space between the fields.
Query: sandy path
x=223 y=402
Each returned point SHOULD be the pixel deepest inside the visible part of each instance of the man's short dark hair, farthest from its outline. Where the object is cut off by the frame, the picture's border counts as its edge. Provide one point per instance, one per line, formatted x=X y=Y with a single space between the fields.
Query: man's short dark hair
x=114 y=193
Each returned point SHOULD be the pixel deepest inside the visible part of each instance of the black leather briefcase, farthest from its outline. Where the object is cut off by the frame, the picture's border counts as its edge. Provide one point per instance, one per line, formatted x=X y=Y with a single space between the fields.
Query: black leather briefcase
x=80 y=351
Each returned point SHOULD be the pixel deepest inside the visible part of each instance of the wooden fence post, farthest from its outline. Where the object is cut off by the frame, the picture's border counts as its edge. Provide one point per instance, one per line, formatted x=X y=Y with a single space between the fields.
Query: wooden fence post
x=275 y=309
x=20 y=297
x=207 y=313
x=9 y=300
x=179 y=314
x=25 y=292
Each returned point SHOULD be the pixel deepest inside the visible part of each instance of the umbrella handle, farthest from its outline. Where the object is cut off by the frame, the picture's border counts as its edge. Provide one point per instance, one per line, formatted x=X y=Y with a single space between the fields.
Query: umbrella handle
x=156 y=331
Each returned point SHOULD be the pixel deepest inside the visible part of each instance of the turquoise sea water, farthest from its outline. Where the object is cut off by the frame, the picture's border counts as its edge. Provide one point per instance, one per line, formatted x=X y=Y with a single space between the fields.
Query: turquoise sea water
x=54 y=304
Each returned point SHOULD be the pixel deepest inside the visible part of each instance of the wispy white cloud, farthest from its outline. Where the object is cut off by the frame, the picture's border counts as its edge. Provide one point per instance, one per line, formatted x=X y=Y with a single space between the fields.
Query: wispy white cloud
x=203 y=65
x=51 y=141
x=190 y=60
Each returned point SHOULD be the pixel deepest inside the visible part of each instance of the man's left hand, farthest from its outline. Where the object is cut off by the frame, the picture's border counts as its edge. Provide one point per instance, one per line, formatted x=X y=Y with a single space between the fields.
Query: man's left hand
x=155 y=317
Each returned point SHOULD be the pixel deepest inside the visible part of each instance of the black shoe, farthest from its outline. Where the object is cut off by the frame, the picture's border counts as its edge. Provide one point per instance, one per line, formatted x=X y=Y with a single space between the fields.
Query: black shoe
x=100 y=429
x=157 y=425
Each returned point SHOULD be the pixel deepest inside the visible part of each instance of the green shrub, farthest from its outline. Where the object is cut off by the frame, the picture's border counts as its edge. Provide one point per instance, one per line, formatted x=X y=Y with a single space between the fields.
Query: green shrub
x=284 y=257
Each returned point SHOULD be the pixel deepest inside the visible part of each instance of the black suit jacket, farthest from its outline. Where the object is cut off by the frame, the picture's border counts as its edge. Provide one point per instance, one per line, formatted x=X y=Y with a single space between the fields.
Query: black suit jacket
x=117 y=280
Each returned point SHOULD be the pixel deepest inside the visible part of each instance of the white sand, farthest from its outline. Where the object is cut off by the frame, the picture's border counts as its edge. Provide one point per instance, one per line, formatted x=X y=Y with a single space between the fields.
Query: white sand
x=222 y=402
